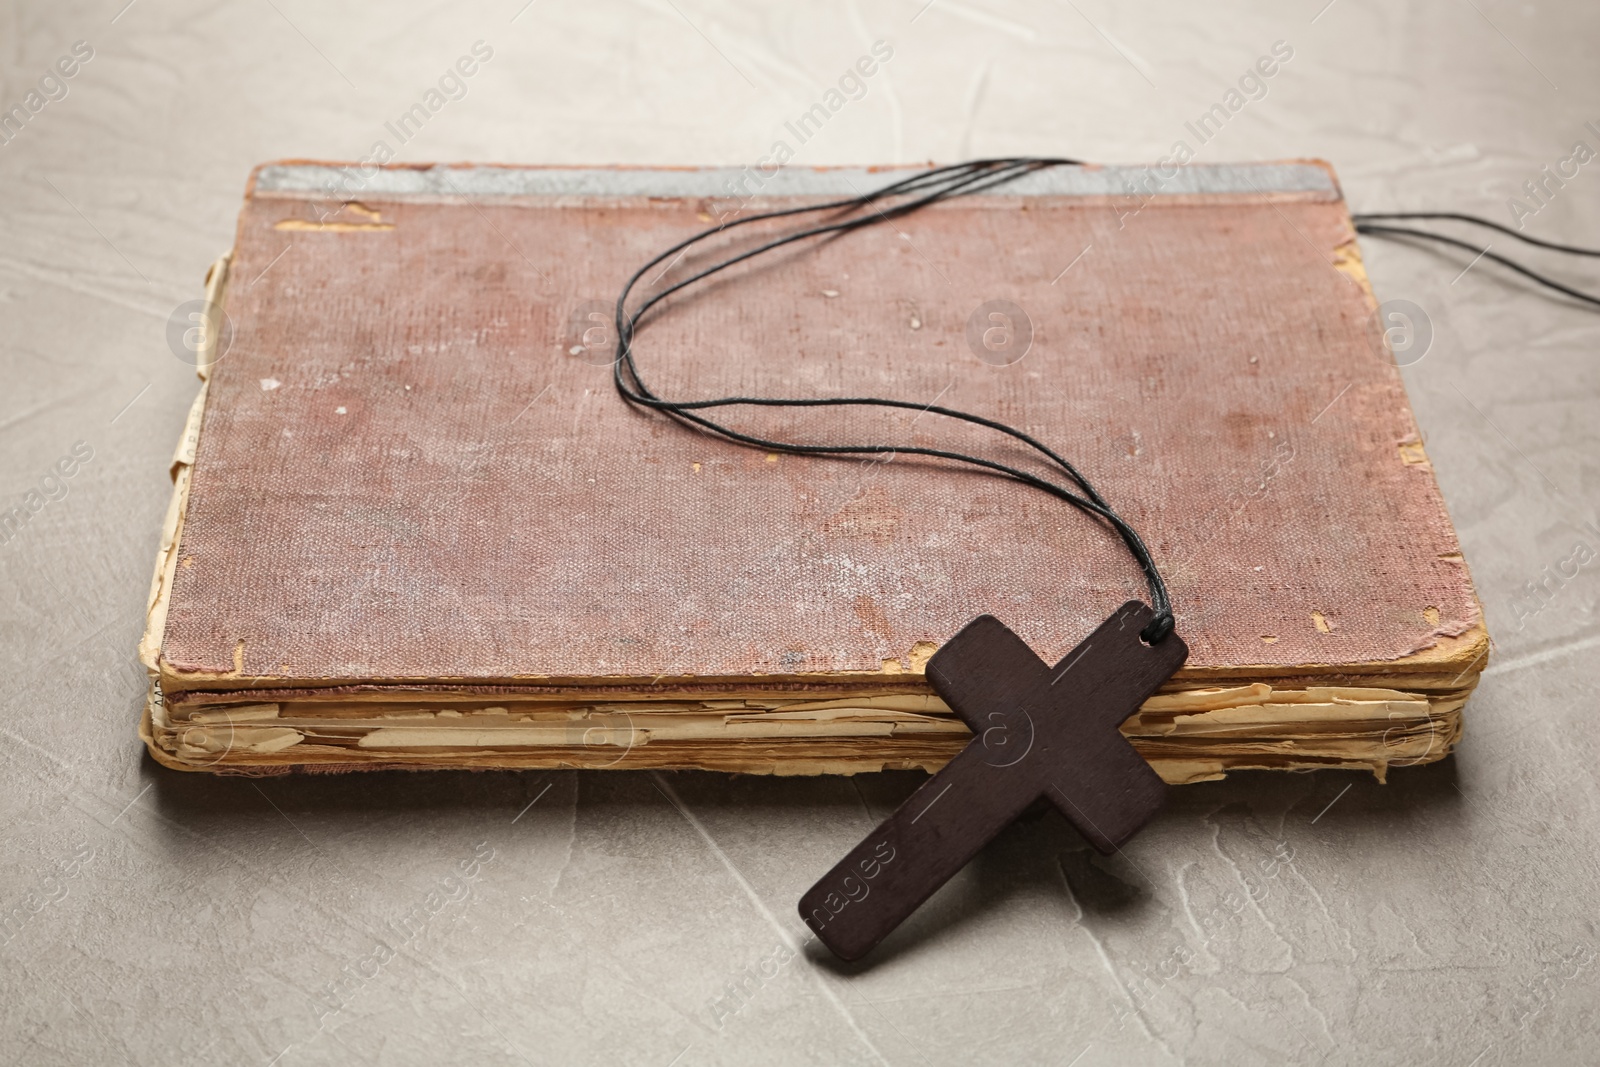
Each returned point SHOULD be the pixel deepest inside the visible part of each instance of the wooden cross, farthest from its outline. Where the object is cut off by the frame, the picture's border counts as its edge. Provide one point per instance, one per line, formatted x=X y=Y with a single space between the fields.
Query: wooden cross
x=1039 y=731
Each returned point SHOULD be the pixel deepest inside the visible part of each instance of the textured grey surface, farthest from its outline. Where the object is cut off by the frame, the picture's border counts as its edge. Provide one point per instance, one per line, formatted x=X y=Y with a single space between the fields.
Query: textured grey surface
x=156 y=918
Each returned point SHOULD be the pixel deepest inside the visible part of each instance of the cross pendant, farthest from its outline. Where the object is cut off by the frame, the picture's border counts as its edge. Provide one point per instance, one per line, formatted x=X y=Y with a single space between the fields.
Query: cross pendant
x=1038 y=731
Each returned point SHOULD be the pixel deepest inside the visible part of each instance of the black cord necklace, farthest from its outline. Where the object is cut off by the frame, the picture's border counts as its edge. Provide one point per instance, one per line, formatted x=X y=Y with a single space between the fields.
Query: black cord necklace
x=892 y=201
x=1032 y=737
x=1377 y=226
x=901 y=198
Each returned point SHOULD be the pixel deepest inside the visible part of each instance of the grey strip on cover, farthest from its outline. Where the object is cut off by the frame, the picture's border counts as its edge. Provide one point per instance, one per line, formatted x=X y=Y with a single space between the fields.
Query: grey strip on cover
x=353 y=180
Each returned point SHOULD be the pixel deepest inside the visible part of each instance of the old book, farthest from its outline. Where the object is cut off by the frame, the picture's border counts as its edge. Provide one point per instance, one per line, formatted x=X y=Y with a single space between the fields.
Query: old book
x=414 y=526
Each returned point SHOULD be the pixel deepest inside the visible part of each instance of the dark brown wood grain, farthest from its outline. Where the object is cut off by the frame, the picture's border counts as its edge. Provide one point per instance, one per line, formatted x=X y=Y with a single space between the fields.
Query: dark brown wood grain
x=1040 y=731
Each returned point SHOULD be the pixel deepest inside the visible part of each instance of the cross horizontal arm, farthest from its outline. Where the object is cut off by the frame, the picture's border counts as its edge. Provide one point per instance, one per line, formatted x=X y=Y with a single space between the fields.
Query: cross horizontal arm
x=984 y=666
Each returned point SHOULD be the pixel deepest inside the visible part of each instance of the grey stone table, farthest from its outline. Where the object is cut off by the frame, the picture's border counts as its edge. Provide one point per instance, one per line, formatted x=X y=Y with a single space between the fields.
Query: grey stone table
x=149 y=917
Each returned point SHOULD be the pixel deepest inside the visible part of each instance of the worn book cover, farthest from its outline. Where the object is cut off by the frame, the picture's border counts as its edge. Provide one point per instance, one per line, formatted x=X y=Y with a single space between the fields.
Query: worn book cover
x=414 y=526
